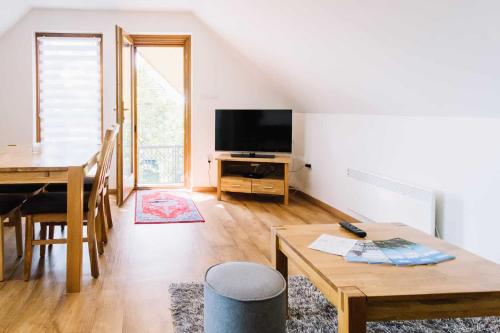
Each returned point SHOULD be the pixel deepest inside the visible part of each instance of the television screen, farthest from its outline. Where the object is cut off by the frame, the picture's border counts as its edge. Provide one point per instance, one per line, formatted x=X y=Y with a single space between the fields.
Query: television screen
x=253 y=130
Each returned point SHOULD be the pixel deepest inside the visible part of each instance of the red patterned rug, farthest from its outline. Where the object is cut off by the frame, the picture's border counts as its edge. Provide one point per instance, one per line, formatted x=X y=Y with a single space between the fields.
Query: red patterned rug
x=162 y=206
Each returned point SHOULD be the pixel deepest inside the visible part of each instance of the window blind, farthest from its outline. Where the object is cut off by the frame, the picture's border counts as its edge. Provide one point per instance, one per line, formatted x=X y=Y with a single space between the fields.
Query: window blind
x=69 y=83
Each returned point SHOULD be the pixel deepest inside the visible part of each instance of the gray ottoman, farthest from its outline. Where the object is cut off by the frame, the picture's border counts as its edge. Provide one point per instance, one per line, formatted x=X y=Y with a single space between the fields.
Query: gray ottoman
x=244 y=297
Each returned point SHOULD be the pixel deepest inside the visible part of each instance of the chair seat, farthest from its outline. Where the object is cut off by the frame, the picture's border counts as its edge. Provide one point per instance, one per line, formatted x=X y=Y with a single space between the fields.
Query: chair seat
x=20 y=188
x=87 y=186
x=50 y=203
x=10 y=201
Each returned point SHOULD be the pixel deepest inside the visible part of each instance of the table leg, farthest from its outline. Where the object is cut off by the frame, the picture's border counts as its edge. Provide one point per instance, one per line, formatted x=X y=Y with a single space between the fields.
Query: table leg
x=219 y=175
x=287 y=190
x=1 y=250
x=280 y=262
x=351 y=310
x=75 y=229
x=16 y=220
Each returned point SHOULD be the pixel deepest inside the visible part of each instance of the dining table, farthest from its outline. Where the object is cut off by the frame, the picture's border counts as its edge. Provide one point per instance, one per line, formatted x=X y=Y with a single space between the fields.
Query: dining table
x=57 y=162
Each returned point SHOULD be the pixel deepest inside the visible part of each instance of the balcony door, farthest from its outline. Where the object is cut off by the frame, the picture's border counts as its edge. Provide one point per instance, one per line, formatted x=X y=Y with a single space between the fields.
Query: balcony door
x=153 y=98
x=162 y=101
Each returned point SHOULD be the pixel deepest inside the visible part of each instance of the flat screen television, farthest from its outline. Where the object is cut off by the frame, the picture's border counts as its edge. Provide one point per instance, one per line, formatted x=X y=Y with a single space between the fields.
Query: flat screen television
x=253 y=130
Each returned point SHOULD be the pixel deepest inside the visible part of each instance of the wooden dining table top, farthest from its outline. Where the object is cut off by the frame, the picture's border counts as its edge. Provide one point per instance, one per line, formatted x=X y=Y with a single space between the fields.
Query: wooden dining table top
x=50 y=157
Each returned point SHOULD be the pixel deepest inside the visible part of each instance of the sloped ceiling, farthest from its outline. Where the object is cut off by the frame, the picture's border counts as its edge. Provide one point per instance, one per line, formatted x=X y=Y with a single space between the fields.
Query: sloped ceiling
x=415 y=57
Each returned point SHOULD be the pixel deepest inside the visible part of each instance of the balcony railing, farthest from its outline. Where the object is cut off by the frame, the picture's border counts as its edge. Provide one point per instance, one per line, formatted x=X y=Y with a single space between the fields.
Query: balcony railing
x=161 y=165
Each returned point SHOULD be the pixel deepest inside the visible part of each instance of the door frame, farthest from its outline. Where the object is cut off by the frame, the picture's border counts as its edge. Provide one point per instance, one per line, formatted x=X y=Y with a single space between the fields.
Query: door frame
x=165 y=41
x=121 y=34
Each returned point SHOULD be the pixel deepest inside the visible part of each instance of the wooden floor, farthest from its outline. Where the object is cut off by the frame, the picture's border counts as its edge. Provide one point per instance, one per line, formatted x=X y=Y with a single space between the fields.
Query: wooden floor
x=139 y=263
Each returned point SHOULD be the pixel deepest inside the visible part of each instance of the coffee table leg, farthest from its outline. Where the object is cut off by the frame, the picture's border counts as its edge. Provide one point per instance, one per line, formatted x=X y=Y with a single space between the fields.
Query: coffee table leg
x=280 y=262
x=351 y=310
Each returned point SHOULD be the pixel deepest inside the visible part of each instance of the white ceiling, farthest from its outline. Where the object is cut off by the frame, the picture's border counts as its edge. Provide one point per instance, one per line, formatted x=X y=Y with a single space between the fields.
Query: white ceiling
x=12 y=10
x=414 y=57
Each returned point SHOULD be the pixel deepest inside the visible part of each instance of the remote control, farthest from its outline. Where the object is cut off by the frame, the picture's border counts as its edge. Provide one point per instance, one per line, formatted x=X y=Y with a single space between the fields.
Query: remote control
x=352 y=228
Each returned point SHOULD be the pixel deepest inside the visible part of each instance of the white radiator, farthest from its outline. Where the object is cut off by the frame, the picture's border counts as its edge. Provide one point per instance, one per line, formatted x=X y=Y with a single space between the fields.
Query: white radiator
x=380 y=199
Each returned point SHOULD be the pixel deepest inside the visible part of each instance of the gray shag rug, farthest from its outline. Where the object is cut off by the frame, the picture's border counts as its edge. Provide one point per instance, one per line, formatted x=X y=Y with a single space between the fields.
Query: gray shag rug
x=311 y=312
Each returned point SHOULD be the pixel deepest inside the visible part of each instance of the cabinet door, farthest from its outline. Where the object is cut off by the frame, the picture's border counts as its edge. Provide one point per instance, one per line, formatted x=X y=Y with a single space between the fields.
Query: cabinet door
x=236 y=184
x=268 y=186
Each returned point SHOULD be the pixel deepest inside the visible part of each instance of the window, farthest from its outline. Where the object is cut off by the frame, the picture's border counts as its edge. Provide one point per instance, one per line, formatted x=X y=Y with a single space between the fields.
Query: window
x=69 y=87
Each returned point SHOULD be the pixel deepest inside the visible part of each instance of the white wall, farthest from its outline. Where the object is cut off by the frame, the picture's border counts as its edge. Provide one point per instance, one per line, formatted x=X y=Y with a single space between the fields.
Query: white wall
x=220 y=76
x=457 y=157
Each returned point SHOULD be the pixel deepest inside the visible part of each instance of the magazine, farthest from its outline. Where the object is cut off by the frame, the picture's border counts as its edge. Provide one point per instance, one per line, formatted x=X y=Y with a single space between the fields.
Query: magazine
x=368 y=252
x=405 y=253
x=395 y=251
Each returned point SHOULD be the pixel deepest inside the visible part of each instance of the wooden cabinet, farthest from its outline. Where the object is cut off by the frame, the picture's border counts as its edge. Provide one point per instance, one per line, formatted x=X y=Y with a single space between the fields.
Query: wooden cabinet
x=253 y=175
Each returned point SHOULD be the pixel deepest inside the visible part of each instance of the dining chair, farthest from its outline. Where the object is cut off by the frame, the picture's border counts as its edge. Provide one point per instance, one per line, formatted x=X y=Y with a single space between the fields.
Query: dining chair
x=50 y=208
x=9 y=209
x=105 y=206
x=87 y=186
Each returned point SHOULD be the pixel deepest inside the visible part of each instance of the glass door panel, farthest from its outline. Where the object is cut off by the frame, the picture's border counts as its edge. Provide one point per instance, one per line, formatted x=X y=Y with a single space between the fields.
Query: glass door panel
x=160 y=115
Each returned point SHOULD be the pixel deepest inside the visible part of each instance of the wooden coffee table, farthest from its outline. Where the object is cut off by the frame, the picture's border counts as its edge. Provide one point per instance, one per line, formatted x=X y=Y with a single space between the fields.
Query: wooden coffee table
x=465 y=287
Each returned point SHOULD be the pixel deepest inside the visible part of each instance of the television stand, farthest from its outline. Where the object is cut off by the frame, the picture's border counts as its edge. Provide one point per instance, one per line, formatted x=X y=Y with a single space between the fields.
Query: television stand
x=252 y=155
x=257 y=175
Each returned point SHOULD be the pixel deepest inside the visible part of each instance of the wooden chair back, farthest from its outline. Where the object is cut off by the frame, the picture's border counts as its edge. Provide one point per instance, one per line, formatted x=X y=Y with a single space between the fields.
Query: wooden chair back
x=103 y=165
x=107 y=168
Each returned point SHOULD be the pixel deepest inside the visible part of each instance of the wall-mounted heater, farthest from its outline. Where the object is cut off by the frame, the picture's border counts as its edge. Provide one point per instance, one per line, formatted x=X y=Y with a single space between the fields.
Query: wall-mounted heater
x=376 y=198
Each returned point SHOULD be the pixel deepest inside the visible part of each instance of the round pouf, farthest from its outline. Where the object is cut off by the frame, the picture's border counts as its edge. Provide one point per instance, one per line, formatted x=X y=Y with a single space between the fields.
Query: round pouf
x=244 y=297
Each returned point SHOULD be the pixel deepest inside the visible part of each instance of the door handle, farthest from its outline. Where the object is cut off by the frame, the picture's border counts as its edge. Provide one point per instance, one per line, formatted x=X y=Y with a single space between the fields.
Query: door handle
x=268 y=187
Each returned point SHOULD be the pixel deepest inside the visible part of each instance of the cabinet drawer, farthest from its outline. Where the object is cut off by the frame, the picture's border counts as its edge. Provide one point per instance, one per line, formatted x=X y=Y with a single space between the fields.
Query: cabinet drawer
x=236 y=184
x=268 y=186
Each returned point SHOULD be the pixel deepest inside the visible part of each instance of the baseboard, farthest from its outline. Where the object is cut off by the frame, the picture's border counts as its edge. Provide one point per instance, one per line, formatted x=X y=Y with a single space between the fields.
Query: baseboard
x=204 y=189
x=338 y=213
x=194 y=189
